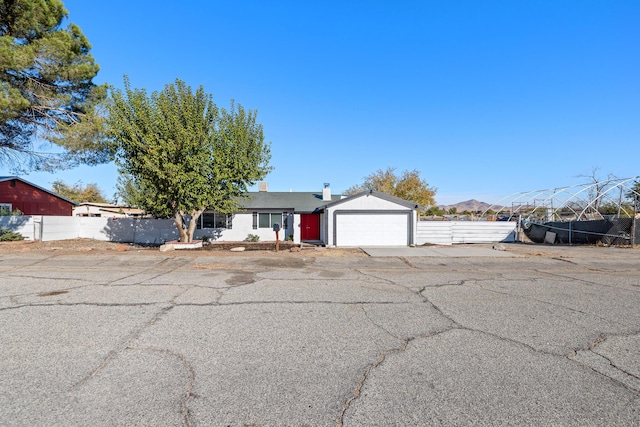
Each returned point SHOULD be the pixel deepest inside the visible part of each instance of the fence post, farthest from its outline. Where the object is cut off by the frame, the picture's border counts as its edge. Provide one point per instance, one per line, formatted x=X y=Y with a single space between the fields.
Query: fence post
x=633 y=221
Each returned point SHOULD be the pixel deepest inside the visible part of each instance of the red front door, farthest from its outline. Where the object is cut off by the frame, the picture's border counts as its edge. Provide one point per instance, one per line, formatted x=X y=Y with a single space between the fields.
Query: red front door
x=309 y=226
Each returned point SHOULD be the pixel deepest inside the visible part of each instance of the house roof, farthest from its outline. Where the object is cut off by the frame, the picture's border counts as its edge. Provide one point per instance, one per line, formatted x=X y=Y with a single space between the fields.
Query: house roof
x=99 y=205
x=311 y=201
x=9 y=178
x=384 y=196
x=298 y=201
x=112 y=208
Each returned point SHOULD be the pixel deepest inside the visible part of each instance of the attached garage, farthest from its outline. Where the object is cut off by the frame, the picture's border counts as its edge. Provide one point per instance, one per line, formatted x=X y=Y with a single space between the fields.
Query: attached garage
x=370 y=219
x=372 y=229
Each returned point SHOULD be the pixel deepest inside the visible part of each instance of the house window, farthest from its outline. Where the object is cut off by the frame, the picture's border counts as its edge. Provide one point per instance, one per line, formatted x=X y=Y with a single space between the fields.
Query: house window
x=5 y=209
x=214 y=220
x=266 y=220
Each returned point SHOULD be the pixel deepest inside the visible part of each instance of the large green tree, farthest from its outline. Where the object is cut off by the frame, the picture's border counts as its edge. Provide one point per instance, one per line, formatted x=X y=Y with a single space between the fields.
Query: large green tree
x=128 y=191
x=78 y=192
x=408 y=186
x=46 y=88
x=183 y=154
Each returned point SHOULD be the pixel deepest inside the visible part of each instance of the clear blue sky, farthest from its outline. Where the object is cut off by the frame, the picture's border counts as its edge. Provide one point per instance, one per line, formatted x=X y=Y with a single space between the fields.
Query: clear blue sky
x=484 y=98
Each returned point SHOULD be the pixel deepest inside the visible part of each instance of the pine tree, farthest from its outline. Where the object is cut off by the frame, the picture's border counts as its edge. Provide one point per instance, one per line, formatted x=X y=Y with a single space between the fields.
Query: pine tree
x=46 y=88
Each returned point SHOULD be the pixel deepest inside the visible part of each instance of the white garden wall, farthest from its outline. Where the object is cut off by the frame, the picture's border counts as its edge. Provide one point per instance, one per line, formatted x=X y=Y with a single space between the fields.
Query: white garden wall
x=455 y=232
x=434 y=232
x=127 y=230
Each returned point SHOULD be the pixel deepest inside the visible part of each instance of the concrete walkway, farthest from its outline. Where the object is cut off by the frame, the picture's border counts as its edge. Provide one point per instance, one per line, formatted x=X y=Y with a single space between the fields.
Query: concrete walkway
x=437 y=251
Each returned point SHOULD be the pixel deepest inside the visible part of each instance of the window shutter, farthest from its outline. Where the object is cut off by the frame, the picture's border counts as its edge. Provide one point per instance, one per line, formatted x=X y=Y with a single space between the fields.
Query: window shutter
x=255 y=220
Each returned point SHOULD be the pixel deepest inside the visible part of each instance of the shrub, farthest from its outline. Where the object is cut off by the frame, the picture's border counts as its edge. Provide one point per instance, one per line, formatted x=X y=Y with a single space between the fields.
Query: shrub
x=4 y=211
x=252 y=238
x=10 y=236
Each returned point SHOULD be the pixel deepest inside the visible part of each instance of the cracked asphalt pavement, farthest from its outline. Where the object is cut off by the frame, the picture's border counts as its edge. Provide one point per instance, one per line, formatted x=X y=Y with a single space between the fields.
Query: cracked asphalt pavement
x=549 y=337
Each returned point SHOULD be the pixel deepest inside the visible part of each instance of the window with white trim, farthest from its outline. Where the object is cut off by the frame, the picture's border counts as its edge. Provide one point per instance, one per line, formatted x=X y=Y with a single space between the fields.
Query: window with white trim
x=215 y=220
x=5 y=209
x=268 y=219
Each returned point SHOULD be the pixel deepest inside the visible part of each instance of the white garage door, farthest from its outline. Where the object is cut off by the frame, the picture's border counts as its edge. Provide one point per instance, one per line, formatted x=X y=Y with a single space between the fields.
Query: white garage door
x=372 y=229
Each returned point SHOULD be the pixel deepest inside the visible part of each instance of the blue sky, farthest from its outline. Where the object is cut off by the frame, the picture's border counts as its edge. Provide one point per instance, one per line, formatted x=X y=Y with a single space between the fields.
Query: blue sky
x=484 y=98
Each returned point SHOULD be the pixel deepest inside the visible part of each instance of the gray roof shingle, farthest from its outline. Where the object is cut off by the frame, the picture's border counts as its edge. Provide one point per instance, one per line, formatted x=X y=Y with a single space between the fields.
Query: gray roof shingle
x=298 y=201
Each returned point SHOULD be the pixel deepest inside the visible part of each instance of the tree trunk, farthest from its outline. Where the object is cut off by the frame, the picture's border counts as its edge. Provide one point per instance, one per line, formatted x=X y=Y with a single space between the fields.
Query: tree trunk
x=178 y=220
x=195 y=216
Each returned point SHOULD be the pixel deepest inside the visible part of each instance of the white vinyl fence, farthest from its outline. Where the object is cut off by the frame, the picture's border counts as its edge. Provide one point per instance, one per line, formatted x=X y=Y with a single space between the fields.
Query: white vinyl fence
x=125 y=230
x=454 y=232
x=24 y=225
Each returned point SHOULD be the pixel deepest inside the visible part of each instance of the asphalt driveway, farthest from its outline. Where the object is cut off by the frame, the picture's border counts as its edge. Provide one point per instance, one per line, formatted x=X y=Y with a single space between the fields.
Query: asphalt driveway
x=542 y=337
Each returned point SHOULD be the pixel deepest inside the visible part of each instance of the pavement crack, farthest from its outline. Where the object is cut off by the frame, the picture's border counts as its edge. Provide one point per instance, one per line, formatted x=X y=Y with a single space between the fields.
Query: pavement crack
x=188 y=392
x=382 y=279
x=76 y=304
x=577 y=279
x=625 y=378
x=438 y=309
x=379 y=361
x=442 y=285
x=547 y=303
x=356 y=393
x=406 y=261
x=129 y=339
x=377 y=325
x=613 y=365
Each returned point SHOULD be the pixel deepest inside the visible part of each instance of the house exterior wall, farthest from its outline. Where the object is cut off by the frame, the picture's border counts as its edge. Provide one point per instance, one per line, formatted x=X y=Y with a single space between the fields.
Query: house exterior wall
x=87 y=210
x=31 y=200
x=242 y=226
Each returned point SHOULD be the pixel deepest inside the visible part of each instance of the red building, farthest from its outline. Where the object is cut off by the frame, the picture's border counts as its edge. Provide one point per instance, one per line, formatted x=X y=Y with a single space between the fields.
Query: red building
x=16 y=193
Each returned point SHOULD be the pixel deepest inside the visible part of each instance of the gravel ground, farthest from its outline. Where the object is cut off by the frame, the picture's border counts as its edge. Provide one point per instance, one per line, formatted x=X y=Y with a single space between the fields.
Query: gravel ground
x=79 y=246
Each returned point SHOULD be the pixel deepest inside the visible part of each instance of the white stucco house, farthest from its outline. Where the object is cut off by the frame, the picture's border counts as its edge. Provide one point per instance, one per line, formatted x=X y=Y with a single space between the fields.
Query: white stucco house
x=370 y=218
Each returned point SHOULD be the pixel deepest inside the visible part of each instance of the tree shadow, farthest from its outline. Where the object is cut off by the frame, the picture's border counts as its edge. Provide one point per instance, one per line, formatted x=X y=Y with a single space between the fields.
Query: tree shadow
x=19 y=223
x=143 y=231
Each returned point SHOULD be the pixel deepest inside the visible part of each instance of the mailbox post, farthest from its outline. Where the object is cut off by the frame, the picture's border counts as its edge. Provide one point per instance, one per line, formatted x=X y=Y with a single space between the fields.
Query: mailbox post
x=276 y=228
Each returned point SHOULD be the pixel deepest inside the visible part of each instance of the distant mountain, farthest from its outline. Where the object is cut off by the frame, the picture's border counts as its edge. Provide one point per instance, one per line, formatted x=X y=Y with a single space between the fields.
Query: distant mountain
x=472 y=205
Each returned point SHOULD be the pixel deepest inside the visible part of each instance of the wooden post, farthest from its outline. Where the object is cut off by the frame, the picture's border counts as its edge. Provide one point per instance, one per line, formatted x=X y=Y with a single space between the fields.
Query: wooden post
x=277 y=242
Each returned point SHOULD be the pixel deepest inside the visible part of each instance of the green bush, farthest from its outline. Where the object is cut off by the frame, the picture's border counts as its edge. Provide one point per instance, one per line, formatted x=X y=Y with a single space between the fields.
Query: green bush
x=4 y=211
x=10 y=236
x=252 y=238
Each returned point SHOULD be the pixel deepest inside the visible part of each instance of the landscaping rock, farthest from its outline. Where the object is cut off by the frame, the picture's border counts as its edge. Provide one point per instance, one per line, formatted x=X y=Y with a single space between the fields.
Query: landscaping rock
x=166 y=248
x=237 y=249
